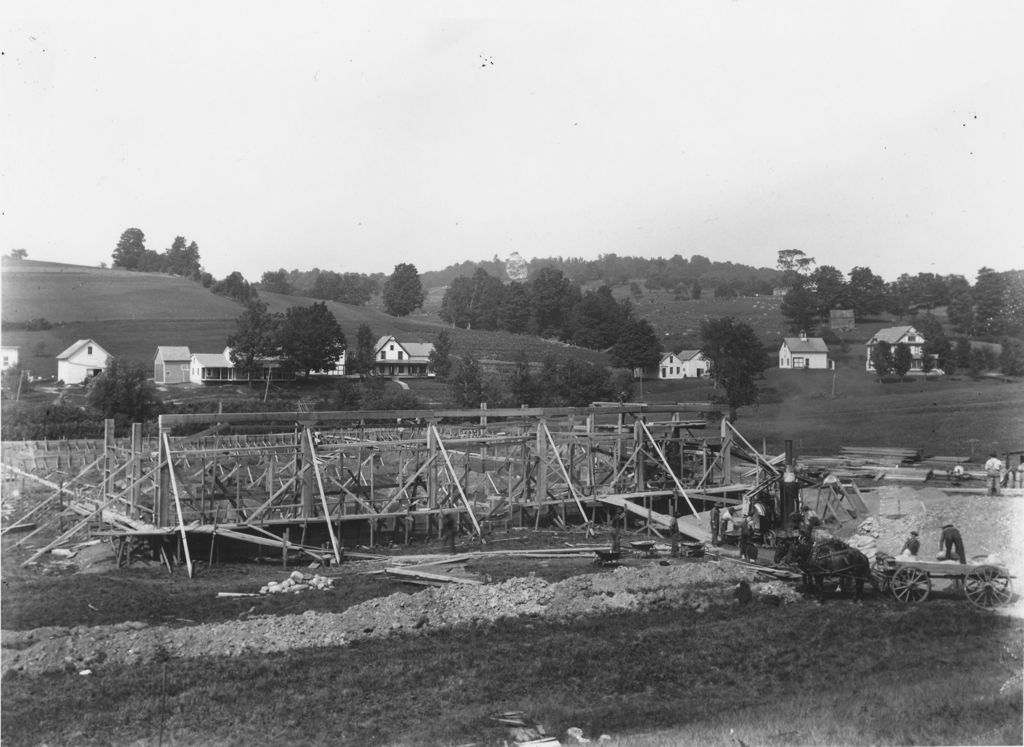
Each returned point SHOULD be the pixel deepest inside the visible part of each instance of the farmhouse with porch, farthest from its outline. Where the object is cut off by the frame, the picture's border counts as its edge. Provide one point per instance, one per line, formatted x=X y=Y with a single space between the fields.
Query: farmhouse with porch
x=686 y=364
x=804 y=352
x=178 y=365
x=394 y=358
x=82 y=360
x=894 y=336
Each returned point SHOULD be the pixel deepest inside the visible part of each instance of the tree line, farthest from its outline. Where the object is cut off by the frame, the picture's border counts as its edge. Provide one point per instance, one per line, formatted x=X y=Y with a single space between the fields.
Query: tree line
x=552 y=306
x=990 y=308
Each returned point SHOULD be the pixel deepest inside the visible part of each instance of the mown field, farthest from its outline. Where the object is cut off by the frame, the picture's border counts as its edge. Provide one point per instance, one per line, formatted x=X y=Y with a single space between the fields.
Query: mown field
x=799 y=674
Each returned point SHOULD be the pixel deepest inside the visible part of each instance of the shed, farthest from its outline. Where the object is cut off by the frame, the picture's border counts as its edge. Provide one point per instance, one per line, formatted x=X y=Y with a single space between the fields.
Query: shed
x=80 y=361
x=171 y=364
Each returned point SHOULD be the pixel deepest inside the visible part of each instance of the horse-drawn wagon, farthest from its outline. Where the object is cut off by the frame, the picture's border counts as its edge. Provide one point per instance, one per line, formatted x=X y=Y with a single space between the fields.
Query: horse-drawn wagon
x=910 y=581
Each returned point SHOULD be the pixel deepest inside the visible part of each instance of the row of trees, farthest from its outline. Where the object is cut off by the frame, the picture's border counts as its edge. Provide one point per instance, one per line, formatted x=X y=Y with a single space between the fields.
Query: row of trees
x=181 y=258
x=550 y=305
x=351 y=288
x=992 y=307
x=676 y=273
x=304 y=338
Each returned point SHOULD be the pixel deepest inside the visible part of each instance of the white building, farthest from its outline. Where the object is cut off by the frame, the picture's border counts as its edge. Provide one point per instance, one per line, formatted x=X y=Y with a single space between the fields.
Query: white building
x=894 y=336
x=394 y=358
x=803 y=352
x=82 y=360
x=8 y=357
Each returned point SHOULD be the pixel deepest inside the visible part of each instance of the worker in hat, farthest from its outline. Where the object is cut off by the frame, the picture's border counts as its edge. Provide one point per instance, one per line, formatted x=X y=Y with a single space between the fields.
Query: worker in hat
x=949 y=540
x=716 y=524
x=912 y=545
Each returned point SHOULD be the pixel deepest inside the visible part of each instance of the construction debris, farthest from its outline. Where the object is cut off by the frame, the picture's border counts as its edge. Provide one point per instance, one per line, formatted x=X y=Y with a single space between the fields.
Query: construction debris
x=298 y=582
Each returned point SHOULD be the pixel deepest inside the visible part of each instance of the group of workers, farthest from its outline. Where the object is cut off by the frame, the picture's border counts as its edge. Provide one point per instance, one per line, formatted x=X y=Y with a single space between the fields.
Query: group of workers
x=950 y=542
x=997 y=474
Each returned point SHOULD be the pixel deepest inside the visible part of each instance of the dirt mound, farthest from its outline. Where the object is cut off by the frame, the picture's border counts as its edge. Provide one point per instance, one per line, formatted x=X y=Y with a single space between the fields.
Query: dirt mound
x=699 y=585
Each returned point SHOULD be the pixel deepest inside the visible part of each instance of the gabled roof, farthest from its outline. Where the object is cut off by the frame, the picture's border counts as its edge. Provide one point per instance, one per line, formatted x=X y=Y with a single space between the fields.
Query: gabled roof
x=806 y=345
x=413 y=349
x=384 y=341
x=892 y=335
x=669 y=354
x=418 y=349
x=686 y=355
x=173 y=352
x=78 y=345
x=212 y=360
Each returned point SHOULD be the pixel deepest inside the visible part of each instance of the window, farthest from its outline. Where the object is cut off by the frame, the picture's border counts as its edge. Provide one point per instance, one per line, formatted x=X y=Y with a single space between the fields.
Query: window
x=391 y=346
x=798 y=361
x=663 y=372
x=399 y=355
x=88 y=350
x=382 y=355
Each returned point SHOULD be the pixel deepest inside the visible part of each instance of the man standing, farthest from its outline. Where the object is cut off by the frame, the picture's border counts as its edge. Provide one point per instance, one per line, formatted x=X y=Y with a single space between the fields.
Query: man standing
x=716 y=523
x=994 y=471
x=949 y=540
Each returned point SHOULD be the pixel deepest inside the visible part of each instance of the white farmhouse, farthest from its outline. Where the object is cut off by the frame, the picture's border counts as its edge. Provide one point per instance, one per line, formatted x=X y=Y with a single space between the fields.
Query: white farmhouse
x=82 y=360
x=394 y=358
x=803 y=352
x=894 y=336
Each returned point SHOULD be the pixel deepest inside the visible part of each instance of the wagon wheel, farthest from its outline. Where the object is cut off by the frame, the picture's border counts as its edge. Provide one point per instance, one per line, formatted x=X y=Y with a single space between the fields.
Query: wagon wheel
x=988 y=587
x=910 y=585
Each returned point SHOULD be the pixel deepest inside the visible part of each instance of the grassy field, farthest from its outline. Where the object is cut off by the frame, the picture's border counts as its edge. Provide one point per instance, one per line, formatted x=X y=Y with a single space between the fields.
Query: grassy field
x=131 y=313
x=838 y=674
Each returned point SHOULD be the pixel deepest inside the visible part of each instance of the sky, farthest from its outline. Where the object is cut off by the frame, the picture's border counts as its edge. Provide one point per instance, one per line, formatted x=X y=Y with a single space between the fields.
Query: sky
x=356 y=136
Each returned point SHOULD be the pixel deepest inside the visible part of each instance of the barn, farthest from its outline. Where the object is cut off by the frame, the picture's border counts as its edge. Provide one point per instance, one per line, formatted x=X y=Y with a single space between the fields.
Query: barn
x=171 y=364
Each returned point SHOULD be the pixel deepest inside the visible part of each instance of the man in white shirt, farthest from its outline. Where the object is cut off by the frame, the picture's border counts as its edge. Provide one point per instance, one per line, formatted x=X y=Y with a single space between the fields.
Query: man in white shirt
x=994 y=471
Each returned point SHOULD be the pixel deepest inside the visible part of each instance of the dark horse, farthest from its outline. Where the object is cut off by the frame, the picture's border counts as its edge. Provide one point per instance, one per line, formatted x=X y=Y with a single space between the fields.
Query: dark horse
x=828 y=558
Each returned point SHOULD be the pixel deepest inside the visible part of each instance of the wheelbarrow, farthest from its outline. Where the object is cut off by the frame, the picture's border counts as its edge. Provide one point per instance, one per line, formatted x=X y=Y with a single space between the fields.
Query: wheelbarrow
x=607 y=558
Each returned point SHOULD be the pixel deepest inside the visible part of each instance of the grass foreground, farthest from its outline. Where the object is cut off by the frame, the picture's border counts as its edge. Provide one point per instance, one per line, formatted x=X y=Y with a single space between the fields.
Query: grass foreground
x=837 y=674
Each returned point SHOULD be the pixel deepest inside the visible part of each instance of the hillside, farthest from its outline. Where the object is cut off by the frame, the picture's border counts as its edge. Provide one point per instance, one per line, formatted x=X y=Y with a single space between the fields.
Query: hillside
x=131 y=313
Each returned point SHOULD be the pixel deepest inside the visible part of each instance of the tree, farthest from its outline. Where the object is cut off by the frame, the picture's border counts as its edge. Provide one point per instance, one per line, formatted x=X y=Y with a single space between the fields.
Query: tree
x=514 y=313
x=403 y=292
x=15 y=382
x=960 y=309
x=182 y=259
x=123 y=392
x=466 y=382
x=737 y=359
x=521 y=386
x=440 y=356
x=882 y=359
x=988 y=296
x=17 y=254
x=236 y=287
x=963 y=353
x=1011 y=358
x=598 y=319
x=800 y=308
x=795 y=266
x=310 y=338
x=255 y=339
x=130 y=249
x=829 y=290
x=637 y=346
x=275 y=281
x=552 y=297
x=866 y=291
x=361 y=361
x=902 y=358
